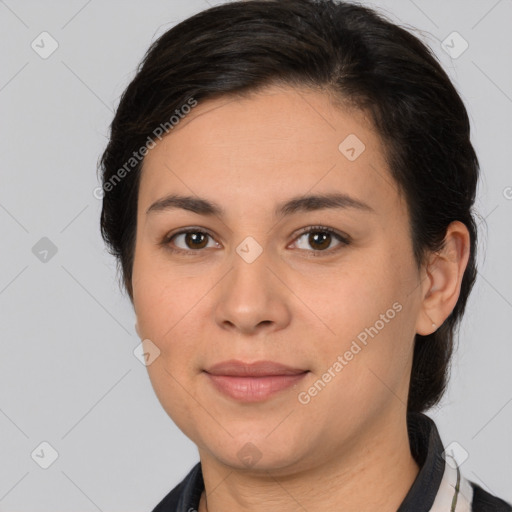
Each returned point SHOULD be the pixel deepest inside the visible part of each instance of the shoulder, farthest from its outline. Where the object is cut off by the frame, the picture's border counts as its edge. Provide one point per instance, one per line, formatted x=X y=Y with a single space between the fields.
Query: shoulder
x=185 y=496
x=485 y=502
x=170 y=502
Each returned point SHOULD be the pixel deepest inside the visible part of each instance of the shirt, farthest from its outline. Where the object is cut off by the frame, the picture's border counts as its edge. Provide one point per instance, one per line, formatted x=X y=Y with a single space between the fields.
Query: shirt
x=438 y=487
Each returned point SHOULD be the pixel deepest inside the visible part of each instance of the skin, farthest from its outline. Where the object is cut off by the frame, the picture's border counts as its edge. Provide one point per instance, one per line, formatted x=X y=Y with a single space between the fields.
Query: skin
x=298 y=303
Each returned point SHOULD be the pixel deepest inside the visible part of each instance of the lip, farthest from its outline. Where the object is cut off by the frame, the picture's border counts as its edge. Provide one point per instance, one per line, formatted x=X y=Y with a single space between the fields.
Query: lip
x=235 y=368
x=253 y=382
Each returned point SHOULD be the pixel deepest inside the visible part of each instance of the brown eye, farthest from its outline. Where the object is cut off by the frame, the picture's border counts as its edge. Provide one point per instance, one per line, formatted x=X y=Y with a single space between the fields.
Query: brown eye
x=320 y=239
x=188 y=241
x=196 y=240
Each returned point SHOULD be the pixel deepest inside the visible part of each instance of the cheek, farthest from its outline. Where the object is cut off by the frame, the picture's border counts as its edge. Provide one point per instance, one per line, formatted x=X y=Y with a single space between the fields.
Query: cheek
x=160 y=298
x=163 y=309
x=347 y=299
x=371 y=316
x=163 y=312
x=173 y=308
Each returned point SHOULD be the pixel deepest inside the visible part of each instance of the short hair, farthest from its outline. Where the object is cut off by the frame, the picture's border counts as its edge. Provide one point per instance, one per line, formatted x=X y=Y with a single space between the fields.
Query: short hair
x=362 y=60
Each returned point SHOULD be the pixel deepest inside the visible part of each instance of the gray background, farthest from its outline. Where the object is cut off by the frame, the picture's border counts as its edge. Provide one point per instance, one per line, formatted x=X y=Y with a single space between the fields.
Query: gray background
x=68 y=375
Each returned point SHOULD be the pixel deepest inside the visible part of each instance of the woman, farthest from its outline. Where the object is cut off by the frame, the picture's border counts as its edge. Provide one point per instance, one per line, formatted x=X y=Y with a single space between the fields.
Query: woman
x=288 y=191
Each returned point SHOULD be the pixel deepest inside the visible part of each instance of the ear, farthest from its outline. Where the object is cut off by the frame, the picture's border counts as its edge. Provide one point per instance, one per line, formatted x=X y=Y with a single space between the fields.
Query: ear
x=442 y=278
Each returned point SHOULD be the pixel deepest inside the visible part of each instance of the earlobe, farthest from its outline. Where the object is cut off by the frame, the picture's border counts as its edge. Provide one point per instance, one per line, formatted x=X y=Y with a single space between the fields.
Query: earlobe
x=444 y=273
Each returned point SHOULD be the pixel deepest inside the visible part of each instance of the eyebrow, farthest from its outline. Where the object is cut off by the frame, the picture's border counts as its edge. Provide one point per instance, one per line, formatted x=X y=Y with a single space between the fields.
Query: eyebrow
x=294 y=205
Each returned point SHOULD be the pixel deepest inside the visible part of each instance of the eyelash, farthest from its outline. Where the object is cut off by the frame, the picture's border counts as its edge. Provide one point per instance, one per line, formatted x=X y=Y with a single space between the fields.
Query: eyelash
x=343 y=239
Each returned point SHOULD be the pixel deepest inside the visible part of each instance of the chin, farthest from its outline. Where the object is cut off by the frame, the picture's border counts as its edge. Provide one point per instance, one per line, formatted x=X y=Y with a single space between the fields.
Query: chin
x=257 y=454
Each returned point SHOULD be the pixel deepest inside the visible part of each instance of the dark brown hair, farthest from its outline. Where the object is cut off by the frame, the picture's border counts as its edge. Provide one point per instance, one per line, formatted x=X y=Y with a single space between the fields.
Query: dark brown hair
x=348 y=51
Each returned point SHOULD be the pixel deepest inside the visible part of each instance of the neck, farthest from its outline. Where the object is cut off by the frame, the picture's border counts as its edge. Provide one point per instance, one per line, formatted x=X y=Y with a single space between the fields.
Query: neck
x=373 y=472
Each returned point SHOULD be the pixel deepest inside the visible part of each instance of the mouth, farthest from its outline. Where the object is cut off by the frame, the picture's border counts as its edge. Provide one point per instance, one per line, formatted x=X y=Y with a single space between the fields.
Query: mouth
x=253 y=382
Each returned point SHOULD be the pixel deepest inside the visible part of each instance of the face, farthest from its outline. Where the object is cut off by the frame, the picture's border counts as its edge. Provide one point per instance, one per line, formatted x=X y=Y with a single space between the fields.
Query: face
x=327 y=288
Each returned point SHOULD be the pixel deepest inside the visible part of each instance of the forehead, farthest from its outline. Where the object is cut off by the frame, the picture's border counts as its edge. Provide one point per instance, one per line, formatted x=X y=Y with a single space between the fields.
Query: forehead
x=271 y=144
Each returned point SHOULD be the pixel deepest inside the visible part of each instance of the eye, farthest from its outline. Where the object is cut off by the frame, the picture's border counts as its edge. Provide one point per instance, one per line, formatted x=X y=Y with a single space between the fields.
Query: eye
x=191 y=240
x=320 y=239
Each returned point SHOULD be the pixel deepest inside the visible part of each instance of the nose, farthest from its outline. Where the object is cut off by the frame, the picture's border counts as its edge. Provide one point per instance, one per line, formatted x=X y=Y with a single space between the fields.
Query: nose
x=251 y=298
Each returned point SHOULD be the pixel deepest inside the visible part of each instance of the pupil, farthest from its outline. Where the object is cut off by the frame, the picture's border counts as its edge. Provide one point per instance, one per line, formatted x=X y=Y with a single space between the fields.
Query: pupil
x=323 y=236
x=194 y=237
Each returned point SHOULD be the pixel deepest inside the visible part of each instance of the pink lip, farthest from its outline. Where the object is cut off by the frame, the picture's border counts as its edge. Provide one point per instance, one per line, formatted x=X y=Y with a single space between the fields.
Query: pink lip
x=236 y=368
x=253 y=382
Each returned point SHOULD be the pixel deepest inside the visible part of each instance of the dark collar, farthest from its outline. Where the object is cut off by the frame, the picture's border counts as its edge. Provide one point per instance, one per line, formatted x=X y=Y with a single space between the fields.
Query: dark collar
x=426 y=448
